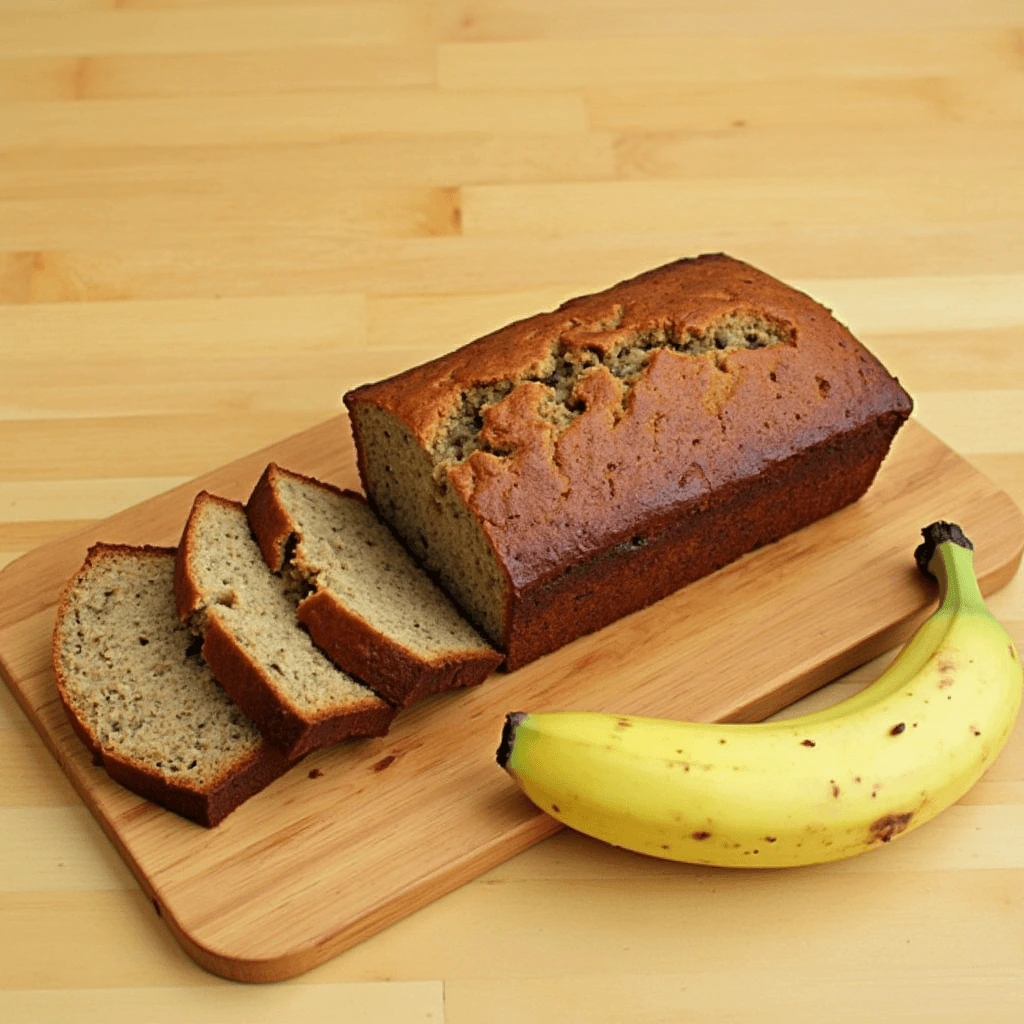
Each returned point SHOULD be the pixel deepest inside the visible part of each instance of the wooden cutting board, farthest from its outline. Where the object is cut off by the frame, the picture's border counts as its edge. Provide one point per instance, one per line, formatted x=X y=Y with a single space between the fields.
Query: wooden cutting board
x=356 y=837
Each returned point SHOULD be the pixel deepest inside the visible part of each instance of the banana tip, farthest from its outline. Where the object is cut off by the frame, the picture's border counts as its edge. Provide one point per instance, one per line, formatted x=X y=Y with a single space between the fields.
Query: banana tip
x=508 y=736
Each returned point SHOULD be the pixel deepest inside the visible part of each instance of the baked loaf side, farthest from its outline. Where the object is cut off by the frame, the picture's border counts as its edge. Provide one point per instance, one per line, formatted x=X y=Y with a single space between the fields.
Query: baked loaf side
x=575 y=466
x=369 y=607
x=253 y=643
x=141 y=699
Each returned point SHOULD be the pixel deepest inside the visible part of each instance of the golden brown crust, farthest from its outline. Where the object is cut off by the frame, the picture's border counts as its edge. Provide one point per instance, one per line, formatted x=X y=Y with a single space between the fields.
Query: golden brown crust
x=295 y=734
x=268 y=519
x=394 y=672
x=247 y=685
x=678 y=551
x=399 y=675
x=215 y=802
x=689 y=293
x=672 y=444
x=187 y=598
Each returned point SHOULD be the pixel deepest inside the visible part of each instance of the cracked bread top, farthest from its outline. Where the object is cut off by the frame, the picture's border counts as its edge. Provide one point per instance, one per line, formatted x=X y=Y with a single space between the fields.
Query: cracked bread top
x=557 y=432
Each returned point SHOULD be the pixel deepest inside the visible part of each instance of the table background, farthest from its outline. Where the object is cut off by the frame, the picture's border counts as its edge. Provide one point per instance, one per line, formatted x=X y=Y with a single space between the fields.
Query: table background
x=215 y=217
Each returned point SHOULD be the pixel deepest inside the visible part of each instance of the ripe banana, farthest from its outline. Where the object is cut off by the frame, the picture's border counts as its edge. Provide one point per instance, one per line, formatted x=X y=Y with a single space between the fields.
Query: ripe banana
x=805 y=790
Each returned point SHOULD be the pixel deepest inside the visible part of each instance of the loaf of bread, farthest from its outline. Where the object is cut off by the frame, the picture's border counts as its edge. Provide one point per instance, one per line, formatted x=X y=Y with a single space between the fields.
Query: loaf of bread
x=252 y=640
x=139 y=696
x=369 y=607
x=578 y=465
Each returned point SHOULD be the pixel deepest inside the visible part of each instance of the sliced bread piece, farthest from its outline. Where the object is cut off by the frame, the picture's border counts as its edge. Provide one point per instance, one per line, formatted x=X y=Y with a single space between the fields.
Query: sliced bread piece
x=140 y=697
x=370 y=607
x=253 y=642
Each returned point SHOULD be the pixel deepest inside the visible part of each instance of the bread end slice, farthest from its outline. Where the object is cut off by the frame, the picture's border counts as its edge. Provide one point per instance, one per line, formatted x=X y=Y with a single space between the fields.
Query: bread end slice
x=140 y=699
x=369 y=607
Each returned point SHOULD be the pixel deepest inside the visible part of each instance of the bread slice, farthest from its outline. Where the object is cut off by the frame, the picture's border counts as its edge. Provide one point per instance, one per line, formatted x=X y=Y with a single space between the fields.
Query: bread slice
x=370 y=607
x=140 y=697
x=252 y=640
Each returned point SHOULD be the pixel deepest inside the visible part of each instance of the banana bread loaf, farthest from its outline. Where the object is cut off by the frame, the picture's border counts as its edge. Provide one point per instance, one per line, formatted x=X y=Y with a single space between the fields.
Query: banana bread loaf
x=369 y=607
x=139 y=696
x=578 y=465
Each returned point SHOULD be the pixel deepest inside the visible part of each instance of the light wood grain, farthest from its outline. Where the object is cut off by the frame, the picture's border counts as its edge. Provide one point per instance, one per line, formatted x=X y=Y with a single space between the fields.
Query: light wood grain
x=411 y=1001
x=449 y=264
x=215 y=29
x=283 y=119
x=560 y=64
x=535 y=19
x=267 y=201
x=884 y=201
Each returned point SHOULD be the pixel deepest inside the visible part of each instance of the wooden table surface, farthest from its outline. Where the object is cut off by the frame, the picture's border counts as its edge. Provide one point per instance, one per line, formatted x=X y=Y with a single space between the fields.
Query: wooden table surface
x=216 y=216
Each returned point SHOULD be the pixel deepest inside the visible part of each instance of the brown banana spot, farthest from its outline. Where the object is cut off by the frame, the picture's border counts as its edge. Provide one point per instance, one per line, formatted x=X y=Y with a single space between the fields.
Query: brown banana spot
x=947 y=667
x=889 y=825
x=702 y=835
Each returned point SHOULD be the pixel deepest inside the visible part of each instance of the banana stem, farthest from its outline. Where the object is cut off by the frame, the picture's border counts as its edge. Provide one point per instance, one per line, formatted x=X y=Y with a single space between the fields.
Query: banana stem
x=948 y=556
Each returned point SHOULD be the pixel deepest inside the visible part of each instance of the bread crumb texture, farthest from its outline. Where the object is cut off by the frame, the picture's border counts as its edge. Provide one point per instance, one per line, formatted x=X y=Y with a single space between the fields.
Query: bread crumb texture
x=347 y=550
x=132 y=674
x=431 y=518
x=257 y=608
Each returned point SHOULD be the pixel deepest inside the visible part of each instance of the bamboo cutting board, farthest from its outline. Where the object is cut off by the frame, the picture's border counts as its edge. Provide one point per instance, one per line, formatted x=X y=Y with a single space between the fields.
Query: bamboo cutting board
x=358 y=836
